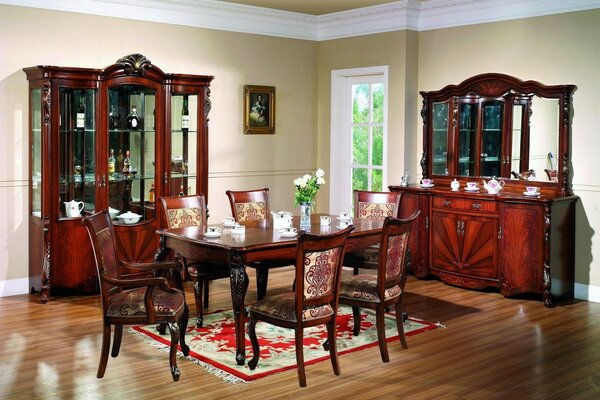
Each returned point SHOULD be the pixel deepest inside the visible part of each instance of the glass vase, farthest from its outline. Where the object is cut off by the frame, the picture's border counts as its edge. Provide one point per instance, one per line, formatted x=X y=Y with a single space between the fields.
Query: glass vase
x=305 y=209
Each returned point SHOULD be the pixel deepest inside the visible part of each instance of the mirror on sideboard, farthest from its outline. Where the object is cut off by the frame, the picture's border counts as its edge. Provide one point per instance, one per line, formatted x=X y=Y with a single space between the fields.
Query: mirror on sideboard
x=497 y=125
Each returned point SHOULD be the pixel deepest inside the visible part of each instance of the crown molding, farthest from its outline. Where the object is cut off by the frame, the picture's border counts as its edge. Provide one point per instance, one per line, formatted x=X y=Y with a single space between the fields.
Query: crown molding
x=399 y=15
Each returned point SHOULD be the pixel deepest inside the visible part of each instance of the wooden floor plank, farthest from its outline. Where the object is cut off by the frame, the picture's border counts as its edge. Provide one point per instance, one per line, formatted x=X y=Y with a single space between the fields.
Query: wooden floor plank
x=492 y=348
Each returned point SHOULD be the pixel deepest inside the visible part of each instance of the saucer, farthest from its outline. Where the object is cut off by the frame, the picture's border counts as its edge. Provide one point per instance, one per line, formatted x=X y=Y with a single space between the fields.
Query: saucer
x=471 y=190
x=343 y=227
x=289 y=234
x=427 y=186
x=229 y=225
x=531 y=194
x=212 y=235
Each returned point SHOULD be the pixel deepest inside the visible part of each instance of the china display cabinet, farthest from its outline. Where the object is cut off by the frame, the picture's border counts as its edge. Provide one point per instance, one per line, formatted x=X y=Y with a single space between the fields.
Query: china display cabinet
x=494 y=126
x=112 y=139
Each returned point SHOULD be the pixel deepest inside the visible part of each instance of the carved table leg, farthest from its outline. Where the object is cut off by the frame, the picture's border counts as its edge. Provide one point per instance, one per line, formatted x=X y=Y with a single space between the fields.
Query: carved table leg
x=239 y=284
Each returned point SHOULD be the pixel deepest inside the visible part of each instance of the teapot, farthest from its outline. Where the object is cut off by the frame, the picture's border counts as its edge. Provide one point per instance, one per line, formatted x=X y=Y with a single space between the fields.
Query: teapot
x=281 y=219
x=73 y=208
x=493 y=186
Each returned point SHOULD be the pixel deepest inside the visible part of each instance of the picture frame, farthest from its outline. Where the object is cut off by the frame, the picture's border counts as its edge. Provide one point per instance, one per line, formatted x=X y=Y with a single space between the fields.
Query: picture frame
x=259 y=109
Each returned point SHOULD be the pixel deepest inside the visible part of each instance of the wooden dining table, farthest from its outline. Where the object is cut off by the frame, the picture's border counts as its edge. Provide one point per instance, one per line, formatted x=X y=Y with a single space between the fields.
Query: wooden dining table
x=258 y=243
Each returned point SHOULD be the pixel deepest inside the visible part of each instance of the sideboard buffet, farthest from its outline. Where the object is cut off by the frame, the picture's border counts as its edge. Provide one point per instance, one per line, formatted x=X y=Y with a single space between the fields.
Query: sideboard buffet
x=112 y=139
x=494 y=126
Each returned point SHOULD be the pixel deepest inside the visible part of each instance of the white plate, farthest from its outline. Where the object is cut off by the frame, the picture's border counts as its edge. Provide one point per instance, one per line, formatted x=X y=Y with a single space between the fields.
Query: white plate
x=342 y=227
x=289 y=234
x=531 y=194
x=229 y=225
x=212 y=234
x=471 y=190
x=427 y=186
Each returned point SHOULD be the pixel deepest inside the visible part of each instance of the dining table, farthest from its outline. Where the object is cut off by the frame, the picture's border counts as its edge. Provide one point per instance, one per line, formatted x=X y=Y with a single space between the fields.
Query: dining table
x=259 y=242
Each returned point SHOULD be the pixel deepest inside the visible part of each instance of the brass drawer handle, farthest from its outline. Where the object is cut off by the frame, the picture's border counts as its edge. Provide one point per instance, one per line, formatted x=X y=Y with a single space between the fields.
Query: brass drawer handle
x=476 y=206
x=446 y=203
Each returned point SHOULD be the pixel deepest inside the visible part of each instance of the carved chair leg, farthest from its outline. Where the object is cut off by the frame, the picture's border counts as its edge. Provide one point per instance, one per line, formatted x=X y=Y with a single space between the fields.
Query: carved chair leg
x=104 y=351
x=400 y=324
x=174 y=330
x=356 y=314
x=380 y=318
x=262 y=277
x=198 y=287
x=332 y=346
x=299 y=336
x=183 y=323
x=254 y=340
x=117 y=342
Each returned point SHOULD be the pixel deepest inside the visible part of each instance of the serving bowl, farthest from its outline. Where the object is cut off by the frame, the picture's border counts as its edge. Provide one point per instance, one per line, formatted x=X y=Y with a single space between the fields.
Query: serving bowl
x=113 y=212
x=129 y=218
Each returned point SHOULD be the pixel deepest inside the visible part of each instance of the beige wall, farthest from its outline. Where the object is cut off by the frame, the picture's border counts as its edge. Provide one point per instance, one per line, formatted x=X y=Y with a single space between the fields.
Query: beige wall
x=553 y=50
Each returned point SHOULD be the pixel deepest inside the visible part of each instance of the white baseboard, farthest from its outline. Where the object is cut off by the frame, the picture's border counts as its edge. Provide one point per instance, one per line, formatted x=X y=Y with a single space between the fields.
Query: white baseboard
x=13 y=287
x=587 y=292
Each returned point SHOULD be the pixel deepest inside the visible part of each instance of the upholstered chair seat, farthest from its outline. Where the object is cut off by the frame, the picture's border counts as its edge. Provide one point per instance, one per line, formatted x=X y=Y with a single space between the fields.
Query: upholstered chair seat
x=130 y=303
x=283 y=306
x=364 y=287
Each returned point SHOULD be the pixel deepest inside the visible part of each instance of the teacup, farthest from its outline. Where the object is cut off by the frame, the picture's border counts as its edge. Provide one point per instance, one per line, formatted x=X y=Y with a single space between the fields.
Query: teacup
x=426 y=182
x=345 y=215
x=213 y=230
x=532 y=190
x=229 y=221
x=238 y=229
x=472 y=185
x=289 y=230
x=325 y=220
x=344 y=223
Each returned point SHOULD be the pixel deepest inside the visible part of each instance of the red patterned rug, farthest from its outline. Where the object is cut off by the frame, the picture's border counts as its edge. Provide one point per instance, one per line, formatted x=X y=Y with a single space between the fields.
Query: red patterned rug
x=213 y=346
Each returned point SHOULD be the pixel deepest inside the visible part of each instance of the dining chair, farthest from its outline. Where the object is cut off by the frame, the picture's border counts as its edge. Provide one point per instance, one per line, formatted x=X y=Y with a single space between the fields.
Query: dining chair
x=314 y=300
x=183 y=211
x=374 y=206
x=251 y=207
x=386 y=288
x=134 y=301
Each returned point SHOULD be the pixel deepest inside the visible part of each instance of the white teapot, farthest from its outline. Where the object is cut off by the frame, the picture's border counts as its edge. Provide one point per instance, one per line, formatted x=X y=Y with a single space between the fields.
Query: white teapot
x=281 y=219
x=493 y=186
x=73 y=208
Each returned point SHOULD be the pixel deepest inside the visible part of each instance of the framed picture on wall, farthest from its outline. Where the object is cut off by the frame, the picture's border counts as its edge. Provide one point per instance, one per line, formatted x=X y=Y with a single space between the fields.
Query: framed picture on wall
x=259 y=109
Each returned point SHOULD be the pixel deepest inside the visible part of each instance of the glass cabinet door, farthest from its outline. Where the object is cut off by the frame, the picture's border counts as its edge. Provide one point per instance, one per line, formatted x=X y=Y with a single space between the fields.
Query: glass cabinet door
x=184 y=144
x=467 y=139
x=439 y=145
x=77 y=156
x=36 y=153
x=491 y=138
x=131 y=150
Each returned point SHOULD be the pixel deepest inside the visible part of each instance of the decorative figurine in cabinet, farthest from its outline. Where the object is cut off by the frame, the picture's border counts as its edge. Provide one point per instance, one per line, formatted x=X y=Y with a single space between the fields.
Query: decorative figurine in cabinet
x=107 y=140
x=496 y=126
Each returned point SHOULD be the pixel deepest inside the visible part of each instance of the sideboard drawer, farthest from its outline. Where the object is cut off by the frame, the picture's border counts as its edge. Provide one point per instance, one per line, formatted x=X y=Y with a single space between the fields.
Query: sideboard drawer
x=453 y=203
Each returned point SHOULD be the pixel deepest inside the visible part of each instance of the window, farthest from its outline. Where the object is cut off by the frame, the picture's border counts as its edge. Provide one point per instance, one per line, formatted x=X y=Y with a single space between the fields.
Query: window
x=358 y=134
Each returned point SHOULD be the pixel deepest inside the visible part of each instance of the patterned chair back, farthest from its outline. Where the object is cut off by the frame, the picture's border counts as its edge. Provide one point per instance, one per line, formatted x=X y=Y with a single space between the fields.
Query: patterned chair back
x=101 y=233
x=318 y=271
x=250 y=205
x=393 y=248
x=183 y=211
x=376 y=205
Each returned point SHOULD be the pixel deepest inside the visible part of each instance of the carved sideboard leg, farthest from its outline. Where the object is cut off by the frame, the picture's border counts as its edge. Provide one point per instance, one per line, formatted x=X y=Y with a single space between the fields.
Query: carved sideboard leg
x=239 y=285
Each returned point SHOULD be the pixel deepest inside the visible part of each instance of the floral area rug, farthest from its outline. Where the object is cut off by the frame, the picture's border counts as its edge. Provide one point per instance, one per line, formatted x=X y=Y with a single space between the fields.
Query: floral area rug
x=213 y=345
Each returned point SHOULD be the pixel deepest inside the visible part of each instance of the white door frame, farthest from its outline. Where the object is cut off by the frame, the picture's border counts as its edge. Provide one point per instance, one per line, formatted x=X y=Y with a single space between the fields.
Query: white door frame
x=340 y=195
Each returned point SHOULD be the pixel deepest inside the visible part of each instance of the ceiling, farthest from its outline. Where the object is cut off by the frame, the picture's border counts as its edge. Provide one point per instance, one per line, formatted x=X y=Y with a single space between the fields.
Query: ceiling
x=312 y=7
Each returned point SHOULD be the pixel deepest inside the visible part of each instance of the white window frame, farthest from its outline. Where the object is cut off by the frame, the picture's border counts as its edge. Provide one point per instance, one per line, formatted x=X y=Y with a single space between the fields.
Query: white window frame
x=340 y=194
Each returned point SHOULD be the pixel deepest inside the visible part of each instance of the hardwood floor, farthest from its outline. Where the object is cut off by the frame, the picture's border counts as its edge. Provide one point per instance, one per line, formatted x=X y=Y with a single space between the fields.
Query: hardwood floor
x=492 y=348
